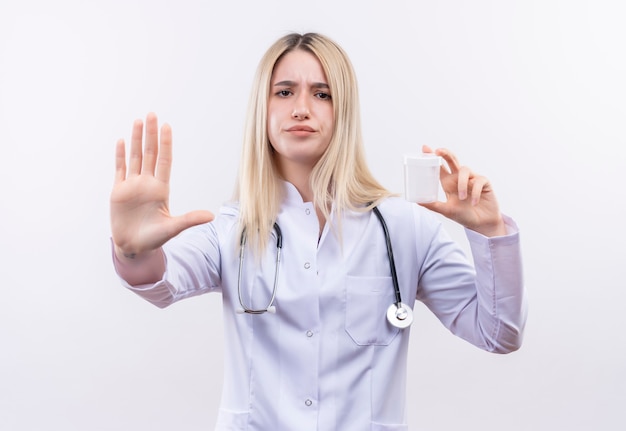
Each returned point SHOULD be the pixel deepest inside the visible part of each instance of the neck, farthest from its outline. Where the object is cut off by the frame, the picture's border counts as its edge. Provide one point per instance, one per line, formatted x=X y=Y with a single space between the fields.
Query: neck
x=299 y=176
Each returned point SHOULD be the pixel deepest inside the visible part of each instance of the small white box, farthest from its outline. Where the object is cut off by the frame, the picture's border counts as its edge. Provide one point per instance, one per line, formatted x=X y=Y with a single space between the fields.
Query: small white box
x=421 y=177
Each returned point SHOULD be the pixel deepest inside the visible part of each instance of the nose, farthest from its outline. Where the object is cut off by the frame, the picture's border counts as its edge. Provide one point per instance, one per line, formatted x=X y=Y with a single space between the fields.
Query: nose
x=301 y=108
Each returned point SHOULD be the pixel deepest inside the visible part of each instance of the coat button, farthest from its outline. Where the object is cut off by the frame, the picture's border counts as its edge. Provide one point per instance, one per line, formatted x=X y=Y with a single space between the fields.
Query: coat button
x=309 y=334
x=307 y=265
x=308 y=403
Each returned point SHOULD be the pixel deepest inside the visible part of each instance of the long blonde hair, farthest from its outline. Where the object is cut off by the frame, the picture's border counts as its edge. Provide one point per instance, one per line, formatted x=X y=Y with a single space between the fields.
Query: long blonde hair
x=340 y=177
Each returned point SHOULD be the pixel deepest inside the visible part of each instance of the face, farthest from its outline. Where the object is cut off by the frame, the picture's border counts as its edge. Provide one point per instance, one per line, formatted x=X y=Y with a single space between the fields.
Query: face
x=300 y=114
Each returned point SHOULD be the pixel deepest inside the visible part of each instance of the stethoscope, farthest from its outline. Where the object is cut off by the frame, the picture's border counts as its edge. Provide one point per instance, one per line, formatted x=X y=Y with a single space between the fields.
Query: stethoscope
x=399 y=314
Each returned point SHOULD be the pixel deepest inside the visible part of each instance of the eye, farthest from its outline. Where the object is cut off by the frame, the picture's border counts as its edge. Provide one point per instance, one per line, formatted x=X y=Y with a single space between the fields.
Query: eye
x=284 y=93
x=323 y=96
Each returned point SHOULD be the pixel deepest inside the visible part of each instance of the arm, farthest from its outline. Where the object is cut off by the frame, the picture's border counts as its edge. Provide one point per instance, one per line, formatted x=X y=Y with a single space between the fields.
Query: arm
x=192 y=267
x=485 y=304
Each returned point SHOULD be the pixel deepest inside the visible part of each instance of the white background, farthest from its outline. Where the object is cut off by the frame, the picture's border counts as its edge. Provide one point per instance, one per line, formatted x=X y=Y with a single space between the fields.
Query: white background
x=529 y=93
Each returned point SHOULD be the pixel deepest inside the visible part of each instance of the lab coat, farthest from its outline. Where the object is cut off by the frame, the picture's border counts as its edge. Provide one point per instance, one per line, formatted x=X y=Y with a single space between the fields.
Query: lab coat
x=328 y=359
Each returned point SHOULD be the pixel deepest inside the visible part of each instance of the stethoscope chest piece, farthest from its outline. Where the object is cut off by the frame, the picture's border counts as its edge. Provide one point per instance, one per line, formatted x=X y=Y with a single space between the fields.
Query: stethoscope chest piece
x=400 y=316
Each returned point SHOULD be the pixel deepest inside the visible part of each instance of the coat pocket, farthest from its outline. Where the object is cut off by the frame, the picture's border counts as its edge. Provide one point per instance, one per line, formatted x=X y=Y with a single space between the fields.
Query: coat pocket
x=367 y=300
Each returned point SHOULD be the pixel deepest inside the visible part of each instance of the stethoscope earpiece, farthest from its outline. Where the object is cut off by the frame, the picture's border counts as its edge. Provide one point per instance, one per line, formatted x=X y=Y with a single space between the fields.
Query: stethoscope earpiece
x=400 y=315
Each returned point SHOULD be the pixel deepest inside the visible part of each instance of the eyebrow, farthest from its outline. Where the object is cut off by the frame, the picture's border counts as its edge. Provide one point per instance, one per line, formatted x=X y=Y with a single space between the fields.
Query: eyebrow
x=295 y=84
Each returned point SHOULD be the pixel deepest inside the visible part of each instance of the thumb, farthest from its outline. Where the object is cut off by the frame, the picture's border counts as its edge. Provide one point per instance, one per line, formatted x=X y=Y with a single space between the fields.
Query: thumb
x=192 y=218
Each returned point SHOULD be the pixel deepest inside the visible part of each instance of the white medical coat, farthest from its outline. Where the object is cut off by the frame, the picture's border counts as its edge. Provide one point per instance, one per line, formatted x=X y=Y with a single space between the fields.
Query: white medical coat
x=328 y=359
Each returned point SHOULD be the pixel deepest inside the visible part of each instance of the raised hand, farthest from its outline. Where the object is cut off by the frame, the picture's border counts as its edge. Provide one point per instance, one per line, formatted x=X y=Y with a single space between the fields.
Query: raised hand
x=140 y=216
x=471 y=201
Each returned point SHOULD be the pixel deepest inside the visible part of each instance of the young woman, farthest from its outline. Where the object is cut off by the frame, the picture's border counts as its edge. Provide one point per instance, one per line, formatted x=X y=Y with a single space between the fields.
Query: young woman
x=316 y=262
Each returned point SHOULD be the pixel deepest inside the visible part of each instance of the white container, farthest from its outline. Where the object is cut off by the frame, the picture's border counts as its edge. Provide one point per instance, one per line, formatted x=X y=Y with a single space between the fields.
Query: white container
x=421 y=177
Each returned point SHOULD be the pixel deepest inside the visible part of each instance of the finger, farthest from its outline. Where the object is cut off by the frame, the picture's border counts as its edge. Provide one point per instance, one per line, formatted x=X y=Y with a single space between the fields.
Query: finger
x=185 y=221
x=450 y=159
x=463 y=179
x=134 y=160
x=443 y=171
x=478 y=186
x=164 y=161
x=152 y=144
x=120 y=161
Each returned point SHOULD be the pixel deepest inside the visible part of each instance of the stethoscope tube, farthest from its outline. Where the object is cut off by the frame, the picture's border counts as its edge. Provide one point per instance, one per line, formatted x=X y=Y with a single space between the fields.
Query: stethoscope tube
x=398 y=314
x=392 y=262
x=242 y=245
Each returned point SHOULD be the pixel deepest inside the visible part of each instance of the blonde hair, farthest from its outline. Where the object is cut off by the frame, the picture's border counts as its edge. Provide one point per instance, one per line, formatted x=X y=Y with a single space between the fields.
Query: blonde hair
x=340 y=177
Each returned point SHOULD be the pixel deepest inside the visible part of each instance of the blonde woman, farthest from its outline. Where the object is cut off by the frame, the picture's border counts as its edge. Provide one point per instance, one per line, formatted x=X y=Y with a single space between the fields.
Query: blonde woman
x=317 y=263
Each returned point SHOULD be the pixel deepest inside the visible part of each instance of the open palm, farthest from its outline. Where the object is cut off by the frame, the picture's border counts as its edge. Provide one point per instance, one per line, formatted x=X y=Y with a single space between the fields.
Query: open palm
x=140 y=216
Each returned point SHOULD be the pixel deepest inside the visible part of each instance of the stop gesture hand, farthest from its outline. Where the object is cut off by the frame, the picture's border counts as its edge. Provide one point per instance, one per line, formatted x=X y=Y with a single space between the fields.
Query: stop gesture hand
x=471 y=201
x=140 y=216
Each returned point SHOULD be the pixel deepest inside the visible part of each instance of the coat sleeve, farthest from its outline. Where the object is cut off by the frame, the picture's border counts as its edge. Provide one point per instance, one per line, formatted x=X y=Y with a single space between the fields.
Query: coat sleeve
x=483 y=303
x=192 y=262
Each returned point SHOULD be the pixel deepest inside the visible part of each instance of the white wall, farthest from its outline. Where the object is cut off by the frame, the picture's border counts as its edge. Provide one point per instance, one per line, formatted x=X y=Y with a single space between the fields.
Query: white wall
x=530 y=93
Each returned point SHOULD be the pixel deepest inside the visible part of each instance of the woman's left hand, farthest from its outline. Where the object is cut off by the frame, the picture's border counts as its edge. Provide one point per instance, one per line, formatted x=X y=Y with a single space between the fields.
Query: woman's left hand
x=471 y=201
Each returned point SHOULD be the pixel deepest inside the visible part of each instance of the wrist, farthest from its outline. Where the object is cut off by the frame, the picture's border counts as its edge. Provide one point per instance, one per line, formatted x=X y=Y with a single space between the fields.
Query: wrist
x=492 y=230
x=139 y=269
x=130 y=256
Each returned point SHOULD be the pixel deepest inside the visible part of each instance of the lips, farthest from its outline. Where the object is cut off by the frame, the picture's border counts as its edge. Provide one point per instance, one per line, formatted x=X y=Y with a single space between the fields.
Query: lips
x=301 y=129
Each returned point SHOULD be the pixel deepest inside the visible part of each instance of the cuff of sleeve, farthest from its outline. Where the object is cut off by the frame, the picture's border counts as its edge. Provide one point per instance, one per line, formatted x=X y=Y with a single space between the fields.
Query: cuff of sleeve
x=498 y=264
x=512 y=234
